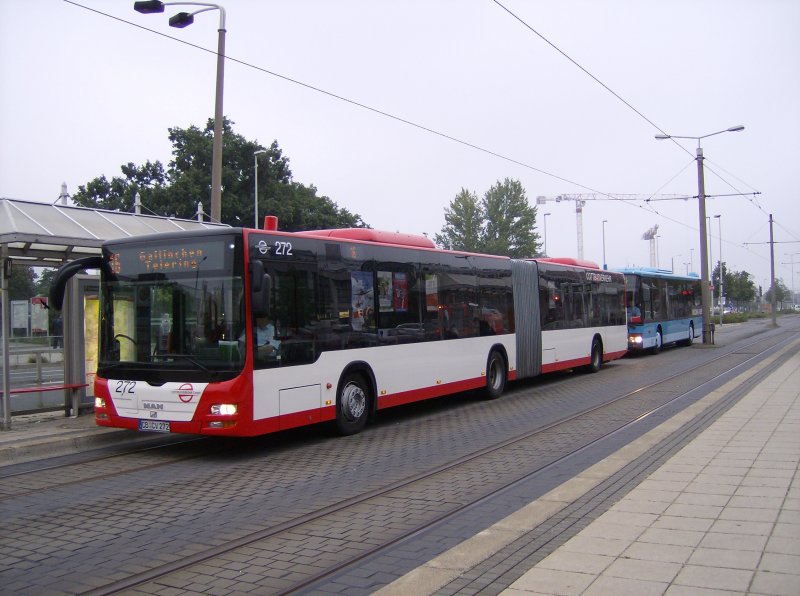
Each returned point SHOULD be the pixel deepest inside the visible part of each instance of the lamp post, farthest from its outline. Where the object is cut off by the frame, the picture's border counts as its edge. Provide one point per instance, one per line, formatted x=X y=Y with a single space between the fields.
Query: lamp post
x=721 y=270
x=255 y=185
x=181 y=20
x=545 y=233
x=701 y=199
x=710 y=261
x=672 y=262
x=792 y=263
x=604 y=244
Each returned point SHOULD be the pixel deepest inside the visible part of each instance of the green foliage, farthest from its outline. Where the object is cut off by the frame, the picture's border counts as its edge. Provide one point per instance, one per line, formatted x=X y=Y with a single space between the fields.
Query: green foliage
x=781 y=292
x=20 y=284
x=187 y=181
x=463 y=229
x=503 y=223
x=510 y=221
x=42 y=285
x=739 y=286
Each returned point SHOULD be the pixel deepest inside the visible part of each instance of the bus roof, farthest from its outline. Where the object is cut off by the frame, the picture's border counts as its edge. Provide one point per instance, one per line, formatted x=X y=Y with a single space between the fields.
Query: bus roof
x=370 y=235
x=653 y=272
x=567 y=261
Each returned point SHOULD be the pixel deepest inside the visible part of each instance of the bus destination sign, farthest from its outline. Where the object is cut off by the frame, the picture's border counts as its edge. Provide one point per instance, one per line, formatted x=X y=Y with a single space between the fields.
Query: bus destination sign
x=176 y=258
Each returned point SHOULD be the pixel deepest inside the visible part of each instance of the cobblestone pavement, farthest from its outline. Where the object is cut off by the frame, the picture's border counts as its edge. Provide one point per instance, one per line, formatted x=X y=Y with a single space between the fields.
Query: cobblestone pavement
x=123 y=518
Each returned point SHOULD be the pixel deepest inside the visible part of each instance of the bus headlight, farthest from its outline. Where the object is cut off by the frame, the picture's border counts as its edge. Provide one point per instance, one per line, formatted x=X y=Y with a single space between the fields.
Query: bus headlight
x=99 y=402
x=223 y=409
x=635 y=339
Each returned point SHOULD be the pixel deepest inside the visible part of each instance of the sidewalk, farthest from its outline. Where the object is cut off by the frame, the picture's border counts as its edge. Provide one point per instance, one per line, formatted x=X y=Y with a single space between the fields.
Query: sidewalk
x=722 y=516
x=35 y=436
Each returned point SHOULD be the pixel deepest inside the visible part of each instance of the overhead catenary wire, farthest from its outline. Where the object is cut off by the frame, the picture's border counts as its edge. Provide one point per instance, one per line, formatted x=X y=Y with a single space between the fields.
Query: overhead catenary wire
x=358 y=104
x=607 y=88
x=647 y=206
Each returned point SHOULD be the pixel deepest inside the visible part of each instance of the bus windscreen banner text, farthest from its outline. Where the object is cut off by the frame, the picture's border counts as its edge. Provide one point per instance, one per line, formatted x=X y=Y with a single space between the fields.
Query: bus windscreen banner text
x=189 y=255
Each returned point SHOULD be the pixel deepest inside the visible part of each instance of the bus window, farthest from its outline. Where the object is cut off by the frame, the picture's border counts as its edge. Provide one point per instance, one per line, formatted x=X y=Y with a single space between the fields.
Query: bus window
x=294 y=317
x=399 y=313
x=496 y=315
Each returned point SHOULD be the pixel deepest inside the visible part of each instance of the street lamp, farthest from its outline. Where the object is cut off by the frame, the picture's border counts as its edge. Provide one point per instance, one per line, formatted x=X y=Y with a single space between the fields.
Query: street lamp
x=181 y=20
x=792 y=263
x=710 y=261
x=604 y=244
x=672 y=262
x=545 y=233
x=721 y=276
x=255 y=184
x=701 y=199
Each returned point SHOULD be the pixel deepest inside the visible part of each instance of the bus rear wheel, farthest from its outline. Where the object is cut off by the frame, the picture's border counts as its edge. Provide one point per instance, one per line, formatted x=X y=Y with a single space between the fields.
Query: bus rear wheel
x=352 y=404
x=689 y=340
x=596 y=357
x=496 y=375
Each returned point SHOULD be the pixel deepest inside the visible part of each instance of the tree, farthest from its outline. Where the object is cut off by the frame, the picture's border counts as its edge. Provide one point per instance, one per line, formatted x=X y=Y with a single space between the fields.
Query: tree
x=20 y=284
x=502 y=223
x=463 y=229
x=177 y=190
x=781 y=292
x=738 y=286
x=42 y=285
x=510 y=221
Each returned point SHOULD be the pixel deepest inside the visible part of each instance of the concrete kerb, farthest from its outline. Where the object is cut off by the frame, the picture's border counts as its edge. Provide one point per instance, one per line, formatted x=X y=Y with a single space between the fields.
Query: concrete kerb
x=26 y=450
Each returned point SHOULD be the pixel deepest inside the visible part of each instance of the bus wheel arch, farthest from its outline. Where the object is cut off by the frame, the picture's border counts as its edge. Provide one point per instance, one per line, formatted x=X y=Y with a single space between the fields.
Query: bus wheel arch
x=659 y=341
x=496 y=372
x=355 y=398
x=595 y=355
x=689 y=340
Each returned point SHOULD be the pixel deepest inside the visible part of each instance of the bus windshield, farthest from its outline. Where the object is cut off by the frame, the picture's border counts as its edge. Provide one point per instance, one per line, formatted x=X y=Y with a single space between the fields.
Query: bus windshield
x=173 y=310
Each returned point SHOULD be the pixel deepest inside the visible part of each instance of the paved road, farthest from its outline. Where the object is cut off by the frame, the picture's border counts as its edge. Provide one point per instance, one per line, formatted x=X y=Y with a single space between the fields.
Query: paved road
x=71 y=529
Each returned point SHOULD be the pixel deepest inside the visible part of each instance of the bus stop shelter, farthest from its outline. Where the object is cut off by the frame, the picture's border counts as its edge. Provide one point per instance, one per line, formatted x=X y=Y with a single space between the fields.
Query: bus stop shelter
x=48 y=235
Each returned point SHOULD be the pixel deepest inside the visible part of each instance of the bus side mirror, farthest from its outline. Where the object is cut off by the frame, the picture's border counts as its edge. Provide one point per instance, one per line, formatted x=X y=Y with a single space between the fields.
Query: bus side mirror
x=58 y=284
x=260 y=289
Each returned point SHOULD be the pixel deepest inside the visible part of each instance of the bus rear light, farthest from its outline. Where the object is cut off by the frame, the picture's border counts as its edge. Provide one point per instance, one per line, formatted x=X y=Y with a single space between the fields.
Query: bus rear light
x=99 y=402
x=223 y=409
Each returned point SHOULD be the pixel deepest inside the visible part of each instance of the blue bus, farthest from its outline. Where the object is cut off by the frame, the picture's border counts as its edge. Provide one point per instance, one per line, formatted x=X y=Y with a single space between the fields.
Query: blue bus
x=663 y=308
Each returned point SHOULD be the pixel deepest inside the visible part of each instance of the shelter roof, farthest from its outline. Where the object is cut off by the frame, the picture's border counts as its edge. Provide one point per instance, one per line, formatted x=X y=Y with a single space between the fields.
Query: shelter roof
x=46 y=235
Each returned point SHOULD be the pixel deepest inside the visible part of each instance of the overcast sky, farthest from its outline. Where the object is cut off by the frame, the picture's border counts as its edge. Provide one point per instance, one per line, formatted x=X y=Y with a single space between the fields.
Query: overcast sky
x=84 y=93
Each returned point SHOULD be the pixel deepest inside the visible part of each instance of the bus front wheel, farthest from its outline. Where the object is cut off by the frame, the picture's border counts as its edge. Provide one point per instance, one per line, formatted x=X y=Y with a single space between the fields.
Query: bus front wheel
x=659 y=343
x=352 y=404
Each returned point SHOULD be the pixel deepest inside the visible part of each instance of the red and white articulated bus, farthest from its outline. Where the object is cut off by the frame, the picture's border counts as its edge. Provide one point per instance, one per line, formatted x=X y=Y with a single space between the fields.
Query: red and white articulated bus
x=244 y=332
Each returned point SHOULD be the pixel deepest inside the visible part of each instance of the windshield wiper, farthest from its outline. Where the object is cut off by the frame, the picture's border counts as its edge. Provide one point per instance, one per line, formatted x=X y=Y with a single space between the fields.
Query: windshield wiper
x=191 y=359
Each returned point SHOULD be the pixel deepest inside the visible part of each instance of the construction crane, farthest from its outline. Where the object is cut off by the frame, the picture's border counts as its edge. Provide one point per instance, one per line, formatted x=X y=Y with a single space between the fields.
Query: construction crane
x=581 y=198
x=651 y=236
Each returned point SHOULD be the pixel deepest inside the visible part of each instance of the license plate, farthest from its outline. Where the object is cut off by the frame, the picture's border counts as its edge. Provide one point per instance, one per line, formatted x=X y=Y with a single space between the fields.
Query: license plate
x=154 y=426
